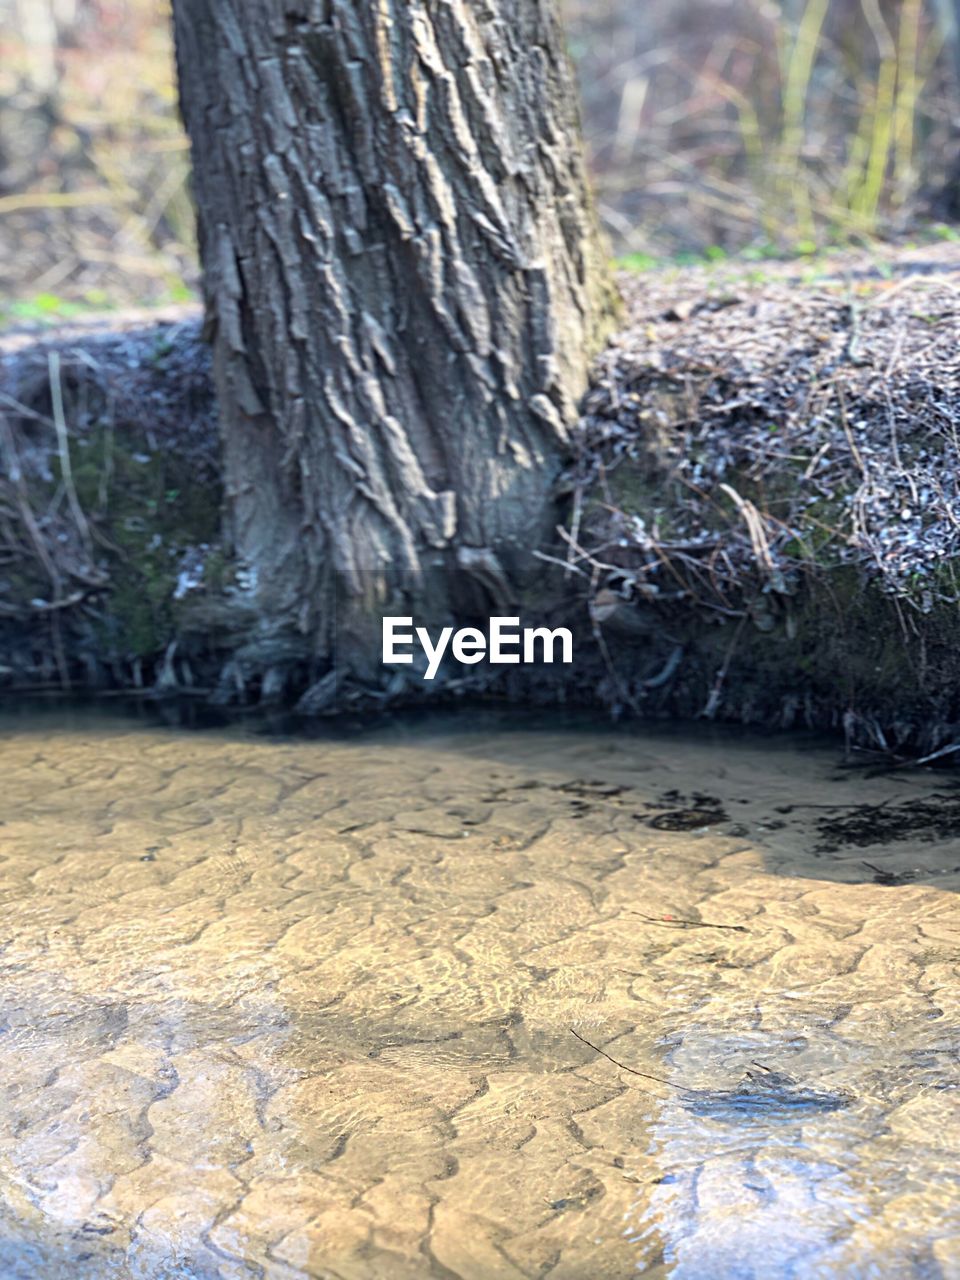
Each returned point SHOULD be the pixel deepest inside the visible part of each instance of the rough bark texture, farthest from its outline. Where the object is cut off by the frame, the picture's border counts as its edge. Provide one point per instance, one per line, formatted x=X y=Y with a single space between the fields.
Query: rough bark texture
x=403 y=276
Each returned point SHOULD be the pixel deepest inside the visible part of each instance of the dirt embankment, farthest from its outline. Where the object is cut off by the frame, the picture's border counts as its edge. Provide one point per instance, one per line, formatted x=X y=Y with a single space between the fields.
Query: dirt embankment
x=110 y=498
x=762 y=519
x=767 y=493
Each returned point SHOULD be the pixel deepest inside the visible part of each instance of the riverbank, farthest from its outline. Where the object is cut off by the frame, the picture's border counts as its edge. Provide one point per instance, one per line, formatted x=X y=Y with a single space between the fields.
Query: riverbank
x=761 y=520
x=110 y=499
x=767 y=489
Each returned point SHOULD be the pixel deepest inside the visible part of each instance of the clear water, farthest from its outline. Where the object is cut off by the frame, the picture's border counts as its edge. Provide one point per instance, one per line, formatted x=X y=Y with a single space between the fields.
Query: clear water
x=306 y=1007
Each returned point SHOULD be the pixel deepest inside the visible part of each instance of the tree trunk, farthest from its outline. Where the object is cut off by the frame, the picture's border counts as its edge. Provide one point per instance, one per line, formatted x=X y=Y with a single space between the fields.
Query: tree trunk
x=404 y=282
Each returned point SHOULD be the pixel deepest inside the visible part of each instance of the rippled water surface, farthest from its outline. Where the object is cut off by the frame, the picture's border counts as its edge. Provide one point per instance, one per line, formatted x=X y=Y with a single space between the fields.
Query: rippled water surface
x=334 y=1008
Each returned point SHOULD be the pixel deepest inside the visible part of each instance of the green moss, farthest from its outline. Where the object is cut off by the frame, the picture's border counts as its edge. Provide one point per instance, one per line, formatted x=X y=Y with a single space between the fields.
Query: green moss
x=633 y=489
x=853 y=643
x=148 y=506
x=217 y=572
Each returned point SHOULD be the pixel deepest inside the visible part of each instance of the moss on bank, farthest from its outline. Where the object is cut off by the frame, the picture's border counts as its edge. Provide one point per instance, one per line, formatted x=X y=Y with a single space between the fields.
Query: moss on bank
x=111 y=498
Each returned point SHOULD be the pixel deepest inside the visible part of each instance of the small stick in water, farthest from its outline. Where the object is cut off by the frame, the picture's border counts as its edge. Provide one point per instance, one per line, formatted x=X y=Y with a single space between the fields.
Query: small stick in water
x=694 y=924
x=644 y=1075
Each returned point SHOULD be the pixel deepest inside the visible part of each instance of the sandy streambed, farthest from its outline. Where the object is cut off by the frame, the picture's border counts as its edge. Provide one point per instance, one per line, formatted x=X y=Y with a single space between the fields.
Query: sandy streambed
x=296 y=1008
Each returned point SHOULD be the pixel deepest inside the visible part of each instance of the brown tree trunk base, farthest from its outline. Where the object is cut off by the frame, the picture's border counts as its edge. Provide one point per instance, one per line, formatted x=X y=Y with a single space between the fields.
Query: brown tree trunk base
x=405 y=286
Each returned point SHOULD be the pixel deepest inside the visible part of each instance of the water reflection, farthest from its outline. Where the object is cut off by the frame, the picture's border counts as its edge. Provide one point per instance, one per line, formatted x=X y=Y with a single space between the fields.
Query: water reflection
x=291 y=1008
x=809 y=1187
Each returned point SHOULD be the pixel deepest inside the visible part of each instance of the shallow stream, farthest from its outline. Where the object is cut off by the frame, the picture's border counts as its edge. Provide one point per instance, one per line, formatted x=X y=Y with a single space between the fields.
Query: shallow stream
x=284 y=1007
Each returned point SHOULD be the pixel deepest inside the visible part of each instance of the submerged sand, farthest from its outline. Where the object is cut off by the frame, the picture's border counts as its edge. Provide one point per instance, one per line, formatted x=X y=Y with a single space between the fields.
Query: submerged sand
x=287 y=1008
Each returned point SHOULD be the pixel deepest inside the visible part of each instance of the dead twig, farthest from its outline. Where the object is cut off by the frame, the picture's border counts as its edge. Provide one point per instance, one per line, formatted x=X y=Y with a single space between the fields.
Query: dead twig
x=63 y=445
x=670 y=921
x=644 y=1075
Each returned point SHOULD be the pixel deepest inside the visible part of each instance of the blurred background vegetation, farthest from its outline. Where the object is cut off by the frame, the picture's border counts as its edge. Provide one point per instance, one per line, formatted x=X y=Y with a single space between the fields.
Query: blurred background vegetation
x=94 y=167
x=714 y=126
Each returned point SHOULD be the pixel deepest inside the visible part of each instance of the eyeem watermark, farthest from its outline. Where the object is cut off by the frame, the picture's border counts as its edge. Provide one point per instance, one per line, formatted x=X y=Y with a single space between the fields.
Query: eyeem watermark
x=506 y=644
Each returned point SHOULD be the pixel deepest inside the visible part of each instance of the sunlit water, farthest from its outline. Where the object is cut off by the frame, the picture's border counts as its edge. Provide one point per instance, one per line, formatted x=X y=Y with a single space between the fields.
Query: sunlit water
x=291 y=1007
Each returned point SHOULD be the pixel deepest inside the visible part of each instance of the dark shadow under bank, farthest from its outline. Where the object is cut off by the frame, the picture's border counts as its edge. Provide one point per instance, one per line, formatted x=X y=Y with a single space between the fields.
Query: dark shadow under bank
x=466 y=717
x=879 y=693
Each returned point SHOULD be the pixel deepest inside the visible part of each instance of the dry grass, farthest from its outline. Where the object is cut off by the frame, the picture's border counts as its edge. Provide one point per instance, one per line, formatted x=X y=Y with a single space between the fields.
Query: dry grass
x=720 y=124
x=750 y=430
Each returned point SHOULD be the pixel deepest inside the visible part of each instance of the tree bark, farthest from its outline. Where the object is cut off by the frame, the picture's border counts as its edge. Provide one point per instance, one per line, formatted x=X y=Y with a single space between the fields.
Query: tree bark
x=404 y=281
